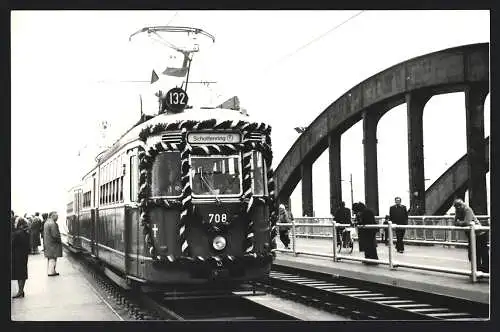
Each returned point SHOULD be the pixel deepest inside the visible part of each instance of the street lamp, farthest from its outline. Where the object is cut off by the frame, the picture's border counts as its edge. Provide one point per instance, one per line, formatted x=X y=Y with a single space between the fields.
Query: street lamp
x=300 y=130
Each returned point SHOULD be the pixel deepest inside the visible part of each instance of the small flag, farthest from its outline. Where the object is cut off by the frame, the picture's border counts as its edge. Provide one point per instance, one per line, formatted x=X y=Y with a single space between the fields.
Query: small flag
x=154 y=77
x=177 y=72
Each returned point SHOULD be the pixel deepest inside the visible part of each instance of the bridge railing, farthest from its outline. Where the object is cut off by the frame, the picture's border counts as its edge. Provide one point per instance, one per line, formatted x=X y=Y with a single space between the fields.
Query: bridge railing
x=322 y=224
x=322 y=229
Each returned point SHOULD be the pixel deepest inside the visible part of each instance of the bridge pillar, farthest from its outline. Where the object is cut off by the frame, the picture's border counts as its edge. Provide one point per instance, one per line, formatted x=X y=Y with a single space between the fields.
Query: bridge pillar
x=475 y=95
x=415 y=103
x=335 y=172
x=307 y=188
x=370 y=121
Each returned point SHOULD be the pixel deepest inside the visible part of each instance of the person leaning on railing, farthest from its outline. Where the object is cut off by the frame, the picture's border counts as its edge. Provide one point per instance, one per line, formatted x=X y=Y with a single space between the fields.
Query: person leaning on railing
x=284 y=218
x=366 y=236
x=464 y=216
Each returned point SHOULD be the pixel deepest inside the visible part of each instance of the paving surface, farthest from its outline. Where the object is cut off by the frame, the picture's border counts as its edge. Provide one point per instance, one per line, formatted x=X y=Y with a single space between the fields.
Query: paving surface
x=428 y=281
x=67 y=297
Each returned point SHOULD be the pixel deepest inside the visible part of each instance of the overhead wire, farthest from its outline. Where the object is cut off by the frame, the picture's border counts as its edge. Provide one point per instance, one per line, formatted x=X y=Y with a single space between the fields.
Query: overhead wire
x=280 y=60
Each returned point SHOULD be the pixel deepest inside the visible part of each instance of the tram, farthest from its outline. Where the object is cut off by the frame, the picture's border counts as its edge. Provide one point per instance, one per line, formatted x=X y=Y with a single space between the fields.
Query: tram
x=183 y=197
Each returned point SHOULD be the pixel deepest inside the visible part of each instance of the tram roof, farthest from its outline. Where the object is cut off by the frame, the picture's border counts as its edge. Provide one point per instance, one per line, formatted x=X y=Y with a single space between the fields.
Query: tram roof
x=195 y=114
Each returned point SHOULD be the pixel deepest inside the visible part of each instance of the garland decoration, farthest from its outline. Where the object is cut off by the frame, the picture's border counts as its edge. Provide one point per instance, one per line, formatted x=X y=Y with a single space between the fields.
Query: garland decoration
x=272 y=207
x=186 y=199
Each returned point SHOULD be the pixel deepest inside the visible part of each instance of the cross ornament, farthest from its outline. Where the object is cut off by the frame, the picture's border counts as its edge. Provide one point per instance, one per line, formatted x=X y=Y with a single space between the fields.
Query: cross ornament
x=155 y=229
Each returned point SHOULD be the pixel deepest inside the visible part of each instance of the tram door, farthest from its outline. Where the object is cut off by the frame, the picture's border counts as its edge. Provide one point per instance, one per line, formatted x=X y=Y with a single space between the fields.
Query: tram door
x=93 y=218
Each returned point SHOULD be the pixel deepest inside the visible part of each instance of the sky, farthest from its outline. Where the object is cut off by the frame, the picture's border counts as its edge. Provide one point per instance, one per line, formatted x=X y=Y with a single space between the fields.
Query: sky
x=285 y=66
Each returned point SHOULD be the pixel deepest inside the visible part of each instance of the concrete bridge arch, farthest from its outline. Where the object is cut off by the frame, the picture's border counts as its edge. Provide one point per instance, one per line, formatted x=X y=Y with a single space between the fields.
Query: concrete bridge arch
x=414 y=82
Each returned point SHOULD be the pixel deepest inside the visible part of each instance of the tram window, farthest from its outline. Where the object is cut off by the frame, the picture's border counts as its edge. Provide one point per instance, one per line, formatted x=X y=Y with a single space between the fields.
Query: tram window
x=166 y=175
x=258 y=180
x=118 y=189
x=134 y=179
x=86 y=199
x=109 y=192
x=121 y=188
x=218 y=175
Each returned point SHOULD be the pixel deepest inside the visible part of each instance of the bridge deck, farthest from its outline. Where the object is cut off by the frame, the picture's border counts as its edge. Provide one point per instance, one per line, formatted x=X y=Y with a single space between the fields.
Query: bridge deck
x=428 y=281
x=67 y=297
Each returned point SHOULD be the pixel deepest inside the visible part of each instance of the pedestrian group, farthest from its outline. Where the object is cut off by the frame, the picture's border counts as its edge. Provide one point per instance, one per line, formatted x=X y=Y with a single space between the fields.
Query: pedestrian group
x=25 y=240
x=398 y=215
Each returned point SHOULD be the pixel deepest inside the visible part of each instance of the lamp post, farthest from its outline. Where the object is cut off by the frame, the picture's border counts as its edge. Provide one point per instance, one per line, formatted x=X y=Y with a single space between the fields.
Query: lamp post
x=352 y=192
x=300 y=130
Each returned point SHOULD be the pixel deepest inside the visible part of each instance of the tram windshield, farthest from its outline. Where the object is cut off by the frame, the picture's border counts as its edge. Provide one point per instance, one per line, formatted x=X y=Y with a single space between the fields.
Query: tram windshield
x=216 y=175
x=165 y=174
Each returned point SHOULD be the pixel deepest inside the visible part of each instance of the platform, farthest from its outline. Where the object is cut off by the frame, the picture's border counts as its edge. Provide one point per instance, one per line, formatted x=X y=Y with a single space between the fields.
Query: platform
x=435 y=282
x=67 y=297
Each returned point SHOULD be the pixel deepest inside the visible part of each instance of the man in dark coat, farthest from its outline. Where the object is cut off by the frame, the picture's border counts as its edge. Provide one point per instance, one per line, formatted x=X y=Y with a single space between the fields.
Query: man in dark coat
x=44 y=219
x=399 y=215
x=366 y=236
x=52 y=243
x=20 y=248
x=464 y=216
x=35 y=229
x=342 y=216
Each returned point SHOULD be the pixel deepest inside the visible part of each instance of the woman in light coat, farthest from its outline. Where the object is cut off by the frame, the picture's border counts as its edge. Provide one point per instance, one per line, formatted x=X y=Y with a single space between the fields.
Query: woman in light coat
x=52 y=243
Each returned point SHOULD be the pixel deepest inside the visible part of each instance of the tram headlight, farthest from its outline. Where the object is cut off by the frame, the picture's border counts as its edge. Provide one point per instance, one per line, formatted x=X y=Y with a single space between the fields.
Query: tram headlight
x=219 y=242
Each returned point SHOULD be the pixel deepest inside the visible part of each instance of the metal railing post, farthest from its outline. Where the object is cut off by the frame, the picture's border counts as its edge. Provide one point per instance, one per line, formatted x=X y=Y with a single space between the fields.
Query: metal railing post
x=334 y=241
x=389 y=233
x=473 y=262
x=294 y=238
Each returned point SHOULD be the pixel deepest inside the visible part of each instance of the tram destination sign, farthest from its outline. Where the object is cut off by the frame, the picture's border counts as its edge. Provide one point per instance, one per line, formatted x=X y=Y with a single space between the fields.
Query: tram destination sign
x=214 y=138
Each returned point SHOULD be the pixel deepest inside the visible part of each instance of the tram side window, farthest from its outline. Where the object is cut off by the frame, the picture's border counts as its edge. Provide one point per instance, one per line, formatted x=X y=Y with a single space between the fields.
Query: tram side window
x=69 y=208
x=121 y=188
x=109 y=192
x=134 y=178
x=86 y=199
x=101 y=194
x=258 y=179
x=166 y=175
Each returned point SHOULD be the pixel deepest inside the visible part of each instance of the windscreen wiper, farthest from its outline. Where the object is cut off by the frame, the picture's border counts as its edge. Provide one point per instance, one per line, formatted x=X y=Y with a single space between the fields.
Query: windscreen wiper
x=212 y=190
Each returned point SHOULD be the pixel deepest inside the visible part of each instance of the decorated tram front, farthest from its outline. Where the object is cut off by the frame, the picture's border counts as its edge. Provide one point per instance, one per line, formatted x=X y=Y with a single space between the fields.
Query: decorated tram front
x=206 y=199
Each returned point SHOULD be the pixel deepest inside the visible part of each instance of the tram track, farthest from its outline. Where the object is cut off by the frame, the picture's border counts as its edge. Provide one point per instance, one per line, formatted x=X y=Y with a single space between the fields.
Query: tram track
x=367 y=301
x=211 y=304
x=344 y=297
x=217 y=306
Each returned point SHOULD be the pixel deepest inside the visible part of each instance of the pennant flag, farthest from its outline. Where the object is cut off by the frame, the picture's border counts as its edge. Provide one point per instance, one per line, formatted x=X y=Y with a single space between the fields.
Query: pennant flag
x=232 y=103
x=154 y=77
x=177 y=72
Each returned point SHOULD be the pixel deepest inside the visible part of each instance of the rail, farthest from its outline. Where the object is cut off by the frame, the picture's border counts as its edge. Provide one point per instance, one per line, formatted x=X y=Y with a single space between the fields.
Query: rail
x=473 y=273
